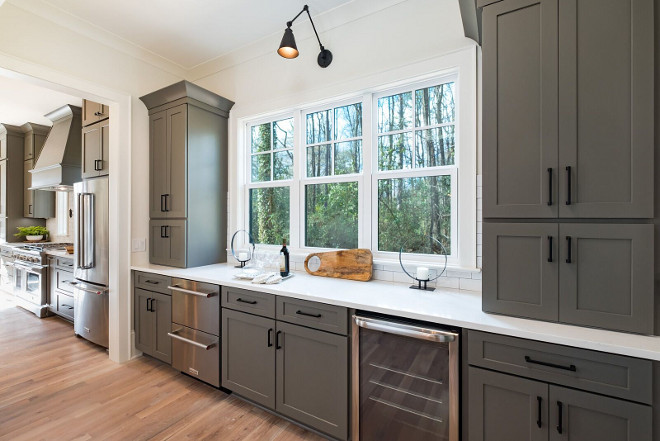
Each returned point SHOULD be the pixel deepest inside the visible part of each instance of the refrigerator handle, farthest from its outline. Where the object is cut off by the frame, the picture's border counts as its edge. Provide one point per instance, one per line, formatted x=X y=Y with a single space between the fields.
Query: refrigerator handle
x=90 y=232
x=81 y=232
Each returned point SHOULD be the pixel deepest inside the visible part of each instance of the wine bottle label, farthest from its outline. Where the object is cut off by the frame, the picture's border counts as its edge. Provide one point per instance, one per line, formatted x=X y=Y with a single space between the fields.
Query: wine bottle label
x=282 y=262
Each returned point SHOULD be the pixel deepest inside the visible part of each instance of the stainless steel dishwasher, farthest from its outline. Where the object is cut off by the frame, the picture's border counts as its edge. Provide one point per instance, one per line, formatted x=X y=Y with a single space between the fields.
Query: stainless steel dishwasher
x=405 y=378
x=196 y=329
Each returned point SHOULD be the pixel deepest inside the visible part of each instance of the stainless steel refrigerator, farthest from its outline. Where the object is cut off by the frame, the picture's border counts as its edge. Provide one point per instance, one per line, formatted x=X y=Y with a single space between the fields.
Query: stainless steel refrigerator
x=91 y=269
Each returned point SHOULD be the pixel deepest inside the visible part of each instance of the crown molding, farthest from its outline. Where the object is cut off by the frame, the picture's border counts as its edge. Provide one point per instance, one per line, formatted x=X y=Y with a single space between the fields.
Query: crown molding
x=47 y=11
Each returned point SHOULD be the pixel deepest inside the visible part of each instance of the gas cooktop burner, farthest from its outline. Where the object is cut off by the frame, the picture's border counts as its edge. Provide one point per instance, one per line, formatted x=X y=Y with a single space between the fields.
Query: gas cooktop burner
x=44 y=246
x=34 y=253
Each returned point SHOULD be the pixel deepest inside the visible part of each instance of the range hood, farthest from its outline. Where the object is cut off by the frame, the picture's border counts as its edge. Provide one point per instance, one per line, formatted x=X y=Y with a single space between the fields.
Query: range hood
x=59 y=164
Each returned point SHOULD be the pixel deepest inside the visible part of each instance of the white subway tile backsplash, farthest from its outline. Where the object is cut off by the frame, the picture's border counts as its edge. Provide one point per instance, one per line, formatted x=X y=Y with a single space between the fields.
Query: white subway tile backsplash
x=386 y=276
x=470 y=284
x=447 y=282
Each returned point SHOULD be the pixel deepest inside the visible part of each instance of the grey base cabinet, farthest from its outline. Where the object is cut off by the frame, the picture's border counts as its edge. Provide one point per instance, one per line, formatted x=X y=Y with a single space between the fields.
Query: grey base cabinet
x=153 y=319
x=60 y=293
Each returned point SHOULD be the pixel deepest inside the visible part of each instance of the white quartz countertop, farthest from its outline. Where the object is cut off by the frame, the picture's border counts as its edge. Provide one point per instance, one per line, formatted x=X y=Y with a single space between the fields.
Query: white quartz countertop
x=443 y=306
x=59 y=253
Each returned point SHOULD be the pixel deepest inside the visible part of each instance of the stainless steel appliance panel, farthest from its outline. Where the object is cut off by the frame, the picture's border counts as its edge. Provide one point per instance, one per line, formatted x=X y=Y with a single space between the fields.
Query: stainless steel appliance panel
x=91 y=241
x=406 y=381
x=30 y=286
x=91 y=309
x=196 y=353
x=196 y=305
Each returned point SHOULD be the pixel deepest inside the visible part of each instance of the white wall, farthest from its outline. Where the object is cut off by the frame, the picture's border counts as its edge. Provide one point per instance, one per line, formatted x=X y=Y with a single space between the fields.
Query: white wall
x=38 y=50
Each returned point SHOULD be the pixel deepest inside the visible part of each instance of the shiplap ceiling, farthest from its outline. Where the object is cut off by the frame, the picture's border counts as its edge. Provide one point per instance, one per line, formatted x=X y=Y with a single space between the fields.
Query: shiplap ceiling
x=190 y=32
x=22 y=102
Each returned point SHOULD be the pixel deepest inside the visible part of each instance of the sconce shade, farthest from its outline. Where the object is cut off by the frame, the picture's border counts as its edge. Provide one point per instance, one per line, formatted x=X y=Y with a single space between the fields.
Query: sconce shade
x=288 y=48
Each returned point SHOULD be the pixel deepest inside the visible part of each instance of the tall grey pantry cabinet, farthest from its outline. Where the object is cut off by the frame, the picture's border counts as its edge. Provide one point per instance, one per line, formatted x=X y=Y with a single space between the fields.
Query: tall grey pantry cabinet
x=187 y=175
x=37 y=204
x=568 y=161
x=11 y=183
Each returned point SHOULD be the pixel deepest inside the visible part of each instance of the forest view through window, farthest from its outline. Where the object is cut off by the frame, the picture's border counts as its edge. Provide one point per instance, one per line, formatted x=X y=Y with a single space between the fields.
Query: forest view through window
x=337 y=172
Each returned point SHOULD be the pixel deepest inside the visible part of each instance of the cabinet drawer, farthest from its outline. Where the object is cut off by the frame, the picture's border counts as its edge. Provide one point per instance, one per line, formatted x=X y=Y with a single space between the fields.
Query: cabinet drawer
x=196 y=305
x=65 y=305
x=190 y=357
x=314 y=315
x=607 y=374
x=152 y=282
x=64 y=262
x=254 y=302
x=62 y=280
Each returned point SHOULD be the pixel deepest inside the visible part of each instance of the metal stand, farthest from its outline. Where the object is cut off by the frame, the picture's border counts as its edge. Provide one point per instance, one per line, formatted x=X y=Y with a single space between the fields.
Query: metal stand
x=241 y=263
x=419 y=285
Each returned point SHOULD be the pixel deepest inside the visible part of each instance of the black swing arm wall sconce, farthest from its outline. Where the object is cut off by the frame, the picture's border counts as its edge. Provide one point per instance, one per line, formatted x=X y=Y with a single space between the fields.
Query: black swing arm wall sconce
x=288 y=48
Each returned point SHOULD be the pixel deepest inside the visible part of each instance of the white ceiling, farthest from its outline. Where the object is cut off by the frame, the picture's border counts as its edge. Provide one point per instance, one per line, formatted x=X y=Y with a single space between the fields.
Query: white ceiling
x=191 y=32
x=23 y=102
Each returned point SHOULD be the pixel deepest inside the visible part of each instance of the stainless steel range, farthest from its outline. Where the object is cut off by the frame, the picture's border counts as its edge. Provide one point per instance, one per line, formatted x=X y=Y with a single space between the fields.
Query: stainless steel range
x=31 y=275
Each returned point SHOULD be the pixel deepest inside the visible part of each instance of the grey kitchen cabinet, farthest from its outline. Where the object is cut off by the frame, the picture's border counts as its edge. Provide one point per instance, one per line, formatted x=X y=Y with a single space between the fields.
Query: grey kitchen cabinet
x=606 y=276
x=12 y=186
x=521 y=270
x=568 y=108
x=167 y=242
x=37 y=204
x=153 y=318
x=583 y=416
x=95 y=153
x=312 y=378
x=33 y=142
x=606 y=104
x=60 y=293
x=93 y=112
x=598 y=275
x=248 y=356
x=188 y=170
x=520 y=105
x=506 y=408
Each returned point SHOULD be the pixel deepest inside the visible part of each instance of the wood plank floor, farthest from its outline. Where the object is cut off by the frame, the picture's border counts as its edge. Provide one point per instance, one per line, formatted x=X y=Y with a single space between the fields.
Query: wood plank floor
x=55 y=386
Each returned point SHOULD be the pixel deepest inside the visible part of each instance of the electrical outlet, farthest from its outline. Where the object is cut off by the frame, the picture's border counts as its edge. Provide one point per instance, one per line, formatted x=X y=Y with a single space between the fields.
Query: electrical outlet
x=139 y=245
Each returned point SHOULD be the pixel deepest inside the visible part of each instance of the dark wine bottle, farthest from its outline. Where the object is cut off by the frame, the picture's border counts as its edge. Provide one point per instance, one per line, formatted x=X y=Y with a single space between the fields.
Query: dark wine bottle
x=284 y=260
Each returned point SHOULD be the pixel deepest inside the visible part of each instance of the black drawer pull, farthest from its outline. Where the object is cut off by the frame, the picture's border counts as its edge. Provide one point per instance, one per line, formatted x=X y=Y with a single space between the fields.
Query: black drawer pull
x=270 y=337
x=68 y=306
x=549 y=186
x=560 y=417
x=152 y=282
x=539 y=420
x=568 y=189
x=277 y=340
x=571 y=367
x=307 y=314
x=550 y=249
x=98 y=164
x=249 y=302
x=162 y=202
x=569 y=251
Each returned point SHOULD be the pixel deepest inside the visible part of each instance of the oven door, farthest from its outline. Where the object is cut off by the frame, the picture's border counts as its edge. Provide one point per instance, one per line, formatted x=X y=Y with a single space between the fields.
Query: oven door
x=28 y=283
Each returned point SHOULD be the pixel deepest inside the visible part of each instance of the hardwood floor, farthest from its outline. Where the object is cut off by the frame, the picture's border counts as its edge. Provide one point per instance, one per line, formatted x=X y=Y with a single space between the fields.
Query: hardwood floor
x=55 y=386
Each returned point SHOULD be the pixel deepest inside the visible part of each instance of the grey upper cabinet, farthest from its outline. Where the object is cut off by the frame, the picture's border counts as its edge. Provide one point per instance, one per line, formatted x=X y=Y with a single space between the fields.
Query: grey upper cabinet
x=506 y=408
x=152 y=321
x=37 y=204
x=521 y=272
x=582 y=416
x=33 y=142
x=93 y=112
x=312 y=378
x=606 y=276
x=95 y=155
x=520 y=109
x=167 y=239
x=606 y=135
x=188 y=170
x=248 y=356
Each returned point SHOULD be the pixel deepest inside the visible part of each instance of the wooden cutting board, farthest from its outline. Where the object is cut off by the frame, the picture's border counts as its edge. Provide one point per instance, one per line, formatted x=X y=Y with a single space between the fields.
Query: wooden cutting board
x=356 y=264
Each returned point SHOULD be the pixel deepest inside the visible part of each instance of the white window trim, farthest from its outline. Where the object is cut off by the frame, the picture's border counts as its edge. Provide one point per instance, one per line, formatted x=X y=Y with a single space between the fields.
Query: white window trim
x=463 y=66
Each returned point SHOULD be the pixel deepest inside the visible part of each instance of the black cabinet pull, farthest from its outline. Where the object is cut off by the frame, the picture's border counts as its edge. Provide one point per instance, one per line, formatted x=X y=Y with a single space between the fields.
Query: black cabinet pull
x=151 y=282
x=98 y=164
x=571 y=367
x=270 y=337
x=550 y=249
x=568 y=189
x=167 y=198
x=277 y=340
x=148 y=300
x=162 y=231
x=560 y=411
x=307 y=314
x=569 y=251
x=549 y=186
x=162 y=202
x=167 y=231
x=152 y=305
x=249 y=302
x=30 y=209
x=68 y=306
x=539 y=420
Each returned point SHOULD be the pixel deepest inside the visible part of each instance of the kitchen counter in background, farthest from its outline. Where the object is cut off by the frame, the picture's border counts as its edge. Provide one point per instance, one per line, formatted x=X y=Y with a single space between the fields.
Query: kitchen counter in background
x=59 y=253
x=443 y=306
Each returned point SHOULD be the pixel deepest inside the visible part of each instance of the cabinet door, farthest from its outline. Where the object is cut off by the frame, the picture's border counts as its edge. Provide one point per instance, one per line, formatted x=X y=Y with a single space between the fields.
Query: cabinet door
x=312 y=378
x=506 y=408
x=3 y=188
x=521 y=272
x=582 y=416
x=158 y=180
x=28 y=195
x=28 y=146
x=91 y=112
x=248 y=356
x=161 y=311
x=520 y=109
x=607 y=276
x=606 y=108
x=104 y=168
x=143 y=320
x=91 y=150
x=177 y=233
x=167 y=242
x=177 y=147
